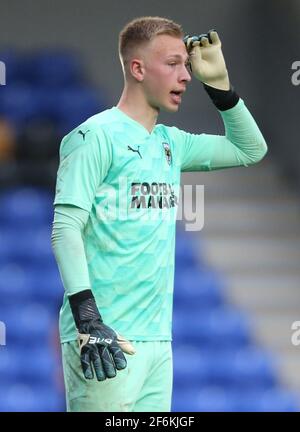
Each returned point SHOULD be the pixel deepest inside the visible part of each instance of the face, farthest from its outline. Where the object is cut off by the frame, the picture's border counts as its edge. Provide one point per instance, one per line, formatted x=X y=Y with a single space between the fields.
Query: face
x=165 y=73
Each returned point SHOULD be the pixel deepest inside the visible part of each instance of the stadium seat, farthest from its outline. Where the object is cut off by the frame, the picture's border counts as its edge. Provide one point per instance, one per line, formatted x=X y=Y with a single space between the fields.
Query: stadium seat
x=38 y=142
x=190 y=366
x=26 y=206
x=47 y=290
x=13 y=63
x=9 y=363
x=28 y=398
x=27 y=246
x=74 y=105
x=54 y=69
x=206 y=398
x=272 y=400
x=219 y=326
x=19 y=103
x=197 y=286
x=31 y=365
x=243 y=369
x=28 y=324
x=185 y=252
x=15 y=283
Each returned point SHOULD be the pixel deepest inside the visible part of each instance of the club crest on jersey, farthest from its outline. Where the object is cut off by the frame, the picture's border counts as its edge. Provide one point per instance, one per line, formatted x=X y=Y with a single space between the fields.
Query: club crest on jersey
x=168 y=153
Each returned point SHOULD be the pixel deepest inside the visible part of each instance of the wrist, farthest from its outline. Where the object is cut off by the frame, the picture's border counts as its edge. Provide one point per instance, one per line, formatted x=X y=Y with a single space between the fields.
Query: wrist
x=221 y=83
x=222 y=99
x=84 y=308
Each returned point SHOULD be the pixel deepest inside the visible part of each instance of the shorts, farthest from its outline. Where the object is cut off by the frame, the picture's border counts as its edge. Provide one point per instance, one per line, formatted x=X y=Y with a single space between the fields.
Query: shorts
x=145 y=385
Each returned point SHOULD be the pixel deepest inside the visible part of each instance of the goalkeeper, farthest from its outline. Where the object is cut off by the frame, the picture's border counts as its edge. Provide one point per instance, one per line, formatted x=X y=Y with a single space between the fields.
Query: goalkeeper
x=115 y=214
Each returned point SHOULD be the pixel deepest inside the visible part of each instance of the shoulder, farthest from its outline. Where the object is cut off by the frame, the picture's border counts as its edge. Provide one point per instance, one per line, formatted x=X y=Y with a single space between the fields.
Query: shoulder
x=93 y=132
x=171 y=133
x=100 y=124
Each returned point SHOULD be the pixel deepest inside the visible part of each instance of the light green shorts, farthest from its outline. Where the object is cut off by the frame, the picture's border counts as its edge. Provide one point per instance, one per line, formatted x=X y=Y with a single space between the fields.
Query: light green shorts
x=145 y=384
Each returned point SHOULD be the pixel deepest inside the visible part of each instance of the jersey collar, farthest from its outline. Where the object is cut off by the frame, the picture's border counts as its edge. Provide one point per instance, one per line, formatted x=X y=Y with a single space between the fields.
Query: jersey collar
x=133 y=122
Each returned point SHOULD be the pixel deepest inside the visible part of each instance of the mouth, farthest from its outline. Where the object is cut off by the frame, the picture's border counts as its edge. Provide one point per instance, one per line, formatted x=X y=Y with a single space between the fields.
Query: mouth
x=176 y=96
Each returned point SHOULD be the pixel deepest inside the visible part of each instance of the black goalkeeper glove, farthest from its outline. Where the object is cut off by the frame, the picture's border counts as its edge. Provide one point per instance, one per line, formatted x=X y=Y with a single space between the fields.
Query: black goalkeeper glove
x=100 y=346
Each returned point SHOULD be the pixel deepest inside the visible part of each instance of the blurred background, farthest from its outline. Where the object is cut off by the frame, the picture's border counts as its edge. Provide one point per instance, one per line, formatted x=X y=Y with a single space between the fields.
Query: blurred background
x=237 y=282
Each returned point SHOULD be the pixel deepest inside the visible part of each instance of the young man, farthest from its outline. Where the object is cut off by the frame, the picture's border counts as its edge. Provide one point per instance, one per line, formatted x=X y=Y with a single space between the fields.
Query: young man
x=115 y=214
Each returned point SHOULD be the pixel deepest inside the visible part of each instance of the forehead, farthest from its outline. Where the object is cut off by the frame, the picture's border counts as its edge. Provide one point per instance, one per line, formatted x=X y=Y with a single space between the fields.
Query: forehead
x=166 y=46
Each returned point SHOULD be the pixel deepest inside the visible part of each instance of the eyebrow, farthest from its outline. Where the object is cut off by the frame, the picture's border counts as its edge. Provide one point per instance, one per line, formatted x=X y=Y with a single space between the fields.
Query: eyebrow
x=177 y=56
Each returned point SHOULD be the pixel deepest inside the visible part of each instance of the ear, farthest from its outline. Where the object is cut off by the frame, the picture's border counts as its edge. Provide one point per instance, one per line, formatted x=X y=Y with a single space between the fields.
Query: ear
x=137 y=69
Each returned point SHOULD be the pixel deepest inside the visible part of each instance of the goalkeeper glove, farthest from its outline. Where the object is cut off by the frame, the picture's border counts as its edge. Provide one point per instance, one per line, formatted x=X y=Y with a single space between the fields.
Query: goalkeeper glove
x=206 y=59
x=101 y=348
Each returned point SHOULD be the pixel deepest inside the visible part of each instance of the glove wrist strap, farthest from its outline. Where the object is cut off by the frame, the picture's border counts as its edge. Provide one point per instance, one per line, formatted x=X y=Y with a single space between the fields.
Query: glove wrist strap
x=222 y=99
x=84 y=308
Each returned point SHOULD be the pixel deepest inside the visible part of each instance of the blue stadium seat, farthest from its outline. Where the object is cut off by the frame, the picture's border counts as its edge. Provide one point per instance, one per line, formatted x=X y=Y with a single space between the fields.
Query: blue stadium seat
x=28 y=398
x=186 y=252
x=28 y=324
x=221 y=399
x=47 y=286
x=183 y=400
x=74 y=105
x=13 y=63
x=15 y=283
x=53 y=68
x=272 y=400
x=9 y=363
x=243 y=369
x=216 y=399
x=27 y=246
x=220 y=326
x=191 y=367
x=206 y=398
x=199 y=287
x=32 y=365
x=30 y=283
x=26 y=206
x=40 y=365
x=19 y=103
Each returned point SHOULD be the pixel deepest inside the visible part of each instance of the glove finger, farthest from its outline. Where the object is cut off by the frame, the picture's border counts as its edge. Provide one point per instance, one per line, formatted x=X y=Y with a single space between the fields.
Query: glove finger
x=204 y=41
x=125 y=345
x=86 y=364
x=190 y=42
x=185 y=39
x=97 y=363
x=213 y=37
x=202 y=35
x=195 y=51
x=107 y=362
x=118 y=356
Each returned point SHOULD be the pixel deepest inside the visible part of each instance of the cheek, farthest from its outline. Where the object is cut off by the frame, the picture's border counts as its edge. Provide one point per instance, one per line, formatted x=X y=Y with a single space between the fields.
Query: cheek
x=162 y=78
x=159 y=81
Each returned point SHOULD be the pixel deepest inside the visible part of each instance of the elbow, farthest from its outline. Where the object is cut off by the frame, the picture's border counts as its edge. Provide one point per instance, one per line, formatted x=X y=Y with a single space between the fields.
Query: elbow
x=263 y=152
x=260 y=153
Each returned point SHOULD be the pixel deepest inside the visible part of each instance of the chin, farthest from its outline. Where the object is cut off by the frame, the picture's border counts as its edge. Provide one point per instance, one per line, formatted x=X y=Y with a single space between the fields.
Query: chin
x=170 y=108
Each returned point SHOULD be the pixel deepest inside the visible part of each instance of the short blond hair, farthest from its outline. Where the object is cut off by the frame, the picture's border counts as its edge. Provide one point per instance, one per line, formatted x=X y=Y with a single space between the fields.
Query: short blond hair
x=142 y=30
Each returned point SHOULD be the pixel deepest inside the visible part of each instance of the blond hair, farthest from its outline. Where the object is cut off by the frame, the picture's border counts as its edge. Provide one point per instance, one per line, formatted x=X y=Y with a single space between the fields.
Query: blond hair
x=142 y=30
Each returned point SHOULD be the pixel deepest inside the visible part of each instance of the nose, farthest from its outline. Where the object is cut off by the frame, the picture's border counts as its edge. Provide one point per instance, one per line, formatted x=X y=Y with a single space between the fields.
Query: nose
x=185 y=76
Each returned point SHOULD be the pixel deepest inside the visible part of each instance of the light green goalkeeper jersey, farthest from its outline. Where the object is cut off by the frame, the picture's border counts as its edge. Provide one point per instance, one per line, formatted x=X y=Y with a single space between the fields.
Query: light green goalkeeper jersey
x=128 y=180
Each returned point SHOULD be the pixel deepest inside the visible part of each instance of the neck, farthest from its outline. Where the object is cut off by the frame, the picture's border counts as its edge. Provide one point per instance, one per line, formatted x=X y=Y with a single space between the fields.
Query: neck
x=134 y=104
